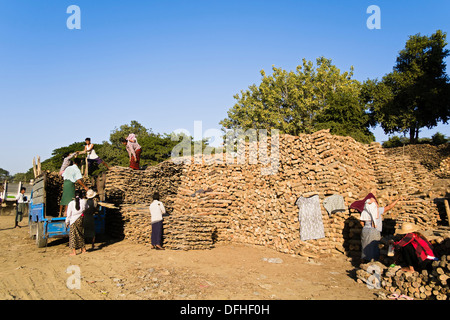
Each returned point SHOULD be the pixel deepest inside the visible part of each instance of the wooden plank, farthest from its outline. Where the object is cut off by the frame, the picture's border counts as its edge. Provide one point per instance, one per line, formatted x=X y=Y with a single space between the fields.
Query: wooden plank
x=447 y=209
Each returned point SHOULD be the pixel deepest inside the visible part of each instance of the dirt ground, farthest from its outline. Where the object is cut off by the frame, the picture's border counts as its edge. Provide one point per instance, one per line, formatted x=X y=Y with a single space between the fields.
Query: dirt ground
x=122 y=270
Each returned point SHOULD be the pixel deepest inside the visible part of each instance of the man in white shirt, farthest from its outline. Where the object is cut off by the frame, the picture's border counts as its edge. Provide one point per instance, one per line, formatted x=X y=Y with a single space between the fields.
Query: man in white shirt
x=21 y=206
x=92 y=156
x=157 y=210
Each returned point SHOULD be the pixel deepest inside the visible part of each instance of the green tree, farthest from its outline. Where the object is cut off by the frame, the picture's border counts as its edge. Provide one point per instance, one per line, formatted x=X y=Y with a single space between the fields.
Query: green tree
x=303 y=101
x=155 y=149
x=416 y=94
x=4 y=175
x=439 y=138
x=124 y=130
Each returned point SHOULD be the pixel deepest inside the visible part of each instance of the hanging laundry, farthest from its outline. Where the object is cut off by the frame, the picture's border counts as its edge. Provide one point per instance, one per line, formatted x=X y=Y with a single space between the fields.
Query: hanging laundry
x=334 y=203
x=310 y=218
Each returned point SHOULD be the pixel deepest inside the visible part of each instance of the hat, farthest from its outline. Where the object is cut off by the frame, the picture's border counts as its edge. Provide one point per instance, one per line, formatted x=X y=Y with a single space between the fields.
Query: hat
x=90 y=194
x=408 y=227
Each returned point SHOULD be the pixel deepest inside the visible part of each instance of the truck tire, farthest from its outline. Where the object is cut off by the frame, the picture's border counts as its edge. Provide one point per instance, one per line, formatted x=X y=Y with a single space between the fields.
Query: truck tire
x=41 y=242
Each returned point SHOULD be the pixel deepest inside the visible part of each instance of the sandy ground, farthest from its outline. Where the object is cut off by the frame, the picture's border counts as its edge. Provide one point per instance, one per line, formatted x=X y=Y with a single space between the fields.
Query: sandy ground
x=122 y=270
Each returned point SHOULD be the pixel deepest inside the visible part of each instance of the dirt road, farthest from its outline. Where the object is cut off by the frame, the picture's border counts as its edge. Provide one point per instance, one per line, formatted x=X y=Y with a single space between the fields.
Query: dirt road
x=122 y=270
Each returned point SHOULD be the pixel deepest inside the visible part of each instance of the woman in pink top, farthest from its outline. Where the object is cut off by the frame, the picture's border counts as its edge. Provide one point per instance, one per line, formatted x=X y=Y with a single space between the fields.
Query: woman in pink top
x=134 y=150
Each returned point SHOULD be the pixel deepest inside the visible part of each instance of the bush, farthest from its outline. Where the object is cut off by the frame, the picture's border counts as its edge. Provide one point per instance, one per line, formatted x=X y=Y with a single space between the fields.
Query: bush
x=395 y=141
x=438 y=138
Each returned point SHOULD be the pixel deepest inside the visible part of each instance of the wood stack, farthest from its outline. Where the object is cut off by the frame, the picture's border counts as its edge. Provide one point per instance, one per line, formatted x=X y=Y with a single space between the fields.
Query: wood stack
x=426 y=285
x=444 y=168
x=136 y=222
x=180 y=232
x=420 y=285
x=188 y=233
x=248 y=206
x=53 y=188
x=128 y=186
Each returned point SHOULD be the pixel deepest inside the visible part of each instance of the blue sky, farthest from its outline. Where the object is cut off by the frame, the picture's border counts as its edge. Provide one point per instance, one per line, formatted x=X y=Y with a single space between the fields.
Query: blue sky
x=167 y=64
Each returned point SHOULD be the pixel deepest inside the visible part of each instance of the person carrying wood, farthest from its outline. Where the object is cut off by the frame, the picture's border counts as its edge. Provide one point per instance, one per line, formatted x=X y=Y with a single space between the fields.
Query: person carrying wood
x=67 y=161
x=134 y=150
x=71 y=175
x=371 y=221
x=414 y=248
x=92 y=157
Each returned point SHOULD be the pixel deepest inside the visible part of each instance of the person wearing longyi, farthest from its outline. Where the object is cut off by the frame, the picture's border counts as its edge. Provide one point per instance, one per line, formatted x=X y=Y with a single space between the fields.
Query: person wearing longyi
x=372 y=223
x=71 y=175
x=134 y=150
x=74 y=221
x=92 y=156
x=89 y=220
x=157 y=210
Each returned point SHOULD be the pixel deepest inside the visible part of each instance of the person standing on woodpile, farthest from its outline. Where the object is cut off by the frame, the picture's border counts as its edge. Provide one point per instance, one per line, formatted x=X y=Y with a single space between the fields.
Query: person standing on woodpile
x=74 y=221
x=89 y=220
x=372 y=223
x=134 y=150
x=21 y=206
x=71 y=175
x=416 y=251
x=92 y=158
x=157 y=210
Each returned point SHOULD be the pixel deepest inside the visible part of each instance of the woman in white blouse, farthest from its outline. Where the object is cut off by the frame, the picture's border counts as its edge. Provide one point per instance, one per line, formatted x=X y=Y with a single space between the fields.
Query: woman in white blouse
x=74 y=221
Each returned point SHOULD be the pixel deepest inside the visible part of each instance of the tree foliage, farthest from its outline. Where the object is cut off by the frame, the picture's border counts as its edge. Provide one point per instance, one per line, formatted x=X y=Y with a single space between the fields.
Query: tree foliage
x=303 y=101
x=155 y=149
x=416 y=94
x=4 y=175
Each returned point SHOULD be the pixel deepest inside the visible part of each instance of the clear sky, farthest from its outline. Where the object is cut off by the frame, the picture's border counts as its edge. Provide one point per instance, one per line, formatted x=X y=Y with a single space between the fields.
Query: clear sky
x=169 y=63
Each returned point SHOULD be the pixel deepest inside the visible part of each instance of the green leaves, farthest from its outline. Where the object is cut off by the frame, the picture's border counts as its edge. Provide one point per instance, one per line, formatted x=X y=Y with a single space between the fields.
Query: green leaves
x=416 y=93
x=302 y=101
x=155 y=149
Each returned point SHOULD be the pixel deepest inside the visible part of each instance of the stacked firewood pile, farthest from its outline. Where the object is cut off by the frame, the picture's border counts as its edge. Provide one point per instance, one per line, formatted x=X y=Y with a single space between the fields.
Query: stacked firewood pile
x=388 y=275
x=128 y=186
x=444 y=168
x=188 y=233
x=180 y=232
x=53 y=188
x=245 y=205
x=132 y=192
x=430 y=156
x=424 y=285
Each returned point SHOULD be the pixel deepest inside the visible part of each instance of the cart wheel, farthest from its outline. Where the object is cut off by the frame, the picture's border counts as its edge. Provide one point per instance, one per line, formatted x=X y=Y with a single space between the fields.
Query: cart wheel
x=40 y=240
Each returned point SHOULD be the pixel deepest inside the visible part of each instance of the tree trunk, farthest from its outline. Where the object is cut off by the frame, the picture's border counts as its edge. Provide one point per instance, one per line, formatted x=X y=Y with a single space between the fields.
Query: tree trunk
x=413 y=135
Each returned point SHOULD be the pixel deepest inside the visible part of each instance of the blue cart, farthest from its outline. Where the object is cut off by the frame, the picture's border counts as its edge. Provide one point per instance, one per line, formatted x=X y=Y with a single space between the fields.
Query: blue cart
x=43 y=225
